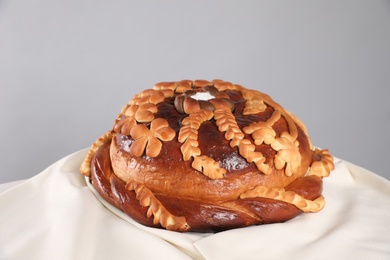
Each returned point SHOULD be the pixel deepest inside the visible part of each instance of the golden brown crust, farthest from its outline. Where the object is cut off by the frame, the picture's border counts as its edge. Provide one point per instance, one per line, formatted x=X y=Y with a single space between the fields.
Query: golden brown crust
x=190 y=214
x=235 y=153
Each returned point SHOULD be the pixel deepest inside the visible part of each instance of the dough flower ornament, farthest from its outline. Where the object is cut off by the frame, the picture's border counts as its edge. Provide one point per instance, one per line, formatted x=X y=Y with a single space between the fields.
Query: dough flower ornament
x=207 y=156
x=287 y=153
x=149 y=139
x=141 y=109
x=207 y=98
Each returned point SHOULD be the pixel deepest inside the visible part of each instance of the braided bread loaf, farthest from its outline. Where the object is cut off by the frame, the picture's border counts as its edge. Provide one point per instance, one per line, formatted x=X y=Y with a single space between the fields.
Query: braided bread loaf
x=207 y=156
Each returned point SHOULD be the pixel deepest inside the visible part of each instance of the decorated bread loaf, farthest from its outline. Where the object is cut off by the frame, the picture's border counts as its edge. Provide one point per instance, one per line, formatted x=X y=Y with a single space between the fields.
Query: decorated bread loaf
x=207 y=156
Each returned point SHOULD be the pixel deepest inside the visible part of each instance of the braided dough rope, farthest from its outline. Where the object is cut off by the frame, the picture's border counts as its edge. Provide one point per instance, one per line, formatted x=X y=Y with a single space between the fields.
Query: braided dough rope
x=285 y=144
x=143 y=107
x=188 y=135
x=226 y=122
x=140 y=111
x=323 y=166
x=85 y=167
x=156 y=209
x=286 y=196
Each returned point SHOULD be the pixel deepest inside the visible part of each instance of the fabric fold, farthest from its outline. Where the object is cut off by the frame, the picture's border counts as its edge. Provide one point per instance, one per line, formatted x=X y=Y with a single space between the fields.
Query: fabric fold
x=57 y=215
x=54 y=215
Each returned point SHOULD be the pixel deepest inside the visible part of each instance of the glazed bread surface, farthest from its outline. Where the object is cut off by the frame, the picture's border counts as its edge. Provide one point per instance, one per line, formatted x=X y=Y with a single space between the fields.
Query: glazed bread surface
x=207 y=156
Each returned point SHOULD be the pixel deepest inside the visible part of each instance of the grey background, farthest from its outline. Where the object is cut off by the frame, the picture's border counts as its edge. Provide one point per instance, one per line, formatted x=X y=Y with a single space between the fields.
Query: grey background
x=68 y=67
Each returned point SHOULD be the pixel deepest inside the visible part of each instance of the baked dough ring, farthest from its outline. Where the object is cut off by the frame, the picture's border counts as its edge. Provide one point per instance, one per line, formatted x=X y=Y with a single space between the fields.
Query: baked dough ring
x=233 y=160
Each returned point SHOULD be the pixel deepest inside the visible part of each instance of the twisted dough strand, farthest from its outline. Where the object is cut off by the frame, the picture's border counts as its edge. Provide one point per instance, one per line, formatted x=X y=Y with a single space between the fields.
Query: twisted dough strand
x=188 y=135
x=286 y=196
x=226 y=122
x=156 y=209
x=323 y=166
x=85 y=167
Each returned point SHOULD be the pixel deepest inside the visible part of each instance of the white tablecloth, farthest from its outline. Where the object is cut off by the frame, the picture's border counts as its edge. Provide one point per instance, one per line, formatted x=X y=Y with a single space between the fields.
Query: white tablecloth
x=55 y=215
